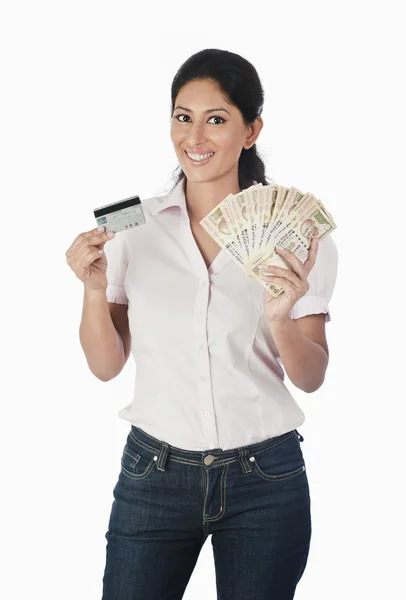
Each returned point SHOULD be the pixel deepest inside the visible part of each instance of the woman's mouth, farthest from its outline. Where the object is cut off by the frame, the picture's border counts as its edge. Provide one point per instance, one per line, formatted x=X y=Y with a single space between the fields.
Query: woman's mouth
x=200 y=159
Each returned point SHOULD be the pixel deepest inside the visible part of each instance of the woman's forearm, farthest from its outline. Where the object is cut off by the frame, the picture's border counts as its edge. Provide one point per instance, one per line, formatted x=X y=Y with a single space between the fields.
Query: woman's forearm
x=304 y=361
x=101 y=342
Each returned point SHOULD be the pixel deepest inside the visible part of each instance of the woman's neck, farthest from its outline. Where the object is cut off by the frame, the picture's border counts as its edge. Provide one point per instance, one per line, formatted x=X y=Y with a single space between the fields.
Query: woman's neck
x=202 y=197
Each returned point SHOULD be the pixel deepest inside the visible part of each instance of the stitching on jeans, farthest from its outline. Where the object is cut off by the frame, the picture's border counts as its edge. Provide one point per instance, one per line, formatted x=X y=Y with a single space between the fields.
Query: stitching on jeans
x=276 y=477
x=137 y=441
x=222 y=497
x=203 y=479
x=222 y=462
x=135 y=459
x=134 y=476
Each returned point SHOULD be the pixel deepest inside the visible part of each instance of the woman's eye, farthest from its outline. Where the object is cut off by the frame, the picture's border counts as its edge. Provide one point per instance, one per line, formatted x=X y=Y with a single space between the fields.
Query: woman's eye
x=218 y=118
x=177 y=117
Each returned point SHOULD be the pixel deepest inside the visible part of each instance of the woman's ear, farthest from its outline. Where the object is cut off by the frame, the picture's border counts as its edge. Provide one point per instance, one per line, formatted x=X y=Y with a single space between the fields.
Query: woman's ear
x=253 y=132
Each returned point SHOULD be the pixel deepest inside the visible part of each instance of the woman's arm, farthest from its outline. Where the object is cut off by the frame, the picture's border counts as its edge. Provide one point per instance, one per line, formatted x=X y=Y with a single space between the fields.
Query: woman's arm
x=304 y=355
x=101 y=342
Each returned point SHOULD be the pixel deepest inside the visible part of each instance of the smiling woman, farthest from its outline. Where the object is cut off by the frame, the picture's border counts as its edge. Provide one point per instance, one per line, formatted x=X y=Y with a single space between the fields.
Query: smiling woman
x=213 y=446
x=214 y=127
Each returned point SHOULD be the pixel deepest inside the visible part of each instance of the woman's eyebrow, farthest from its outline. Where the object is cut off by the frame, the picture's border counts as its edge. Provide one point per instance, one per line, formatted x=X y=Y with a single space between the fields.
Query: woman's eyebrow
x=209 y=110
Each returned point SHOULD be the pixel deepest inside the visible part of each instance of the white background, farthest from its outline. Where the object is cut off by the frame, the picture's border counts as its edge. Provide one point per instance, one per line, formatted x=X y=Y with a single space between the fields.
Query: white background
x=85 y=122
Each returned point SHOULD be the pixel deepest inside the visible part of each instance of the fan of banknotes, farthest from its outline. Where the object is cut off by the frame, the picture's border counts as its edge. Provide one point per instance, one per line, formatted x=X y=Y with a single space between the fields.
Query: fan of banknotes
x=250 y=224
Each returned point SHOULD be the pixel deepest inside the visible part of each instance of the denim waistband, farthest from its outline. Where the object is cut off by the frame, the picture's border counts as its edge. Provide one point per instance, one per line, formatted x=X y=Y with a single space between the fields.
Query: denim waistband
x=195 y=456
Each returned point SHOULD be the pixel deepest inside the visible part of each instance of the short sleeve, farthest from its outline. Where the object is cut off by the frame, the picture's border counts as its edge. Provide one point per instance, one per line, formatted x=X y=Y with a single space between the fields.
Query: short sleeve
x=117 y=263
x=322 y=279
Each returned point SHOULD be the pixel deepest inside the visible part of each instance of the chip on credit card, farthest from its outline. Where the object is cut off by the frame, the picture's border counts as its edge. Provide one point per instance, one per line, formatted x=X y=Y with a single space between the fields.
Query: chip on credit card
x=121 y=215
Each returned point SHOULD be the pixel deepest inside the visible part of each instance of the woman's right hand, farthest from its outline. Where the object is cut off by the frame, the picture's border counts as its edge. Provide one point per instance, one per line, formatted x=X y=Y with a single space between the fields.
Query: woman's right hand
x=86 y=262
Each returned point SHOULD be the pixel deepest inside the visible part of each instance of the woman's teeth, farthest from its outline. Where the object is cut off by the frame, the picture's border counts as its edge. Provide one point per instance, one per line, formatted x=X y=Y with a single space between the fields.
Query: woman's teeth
x=198 y=157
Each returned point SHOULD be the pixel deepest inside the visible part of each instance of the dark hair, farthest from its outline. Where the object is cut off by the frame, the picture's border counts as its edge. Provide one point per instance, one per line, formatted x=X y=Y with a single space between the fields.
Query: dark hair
x=238 y=80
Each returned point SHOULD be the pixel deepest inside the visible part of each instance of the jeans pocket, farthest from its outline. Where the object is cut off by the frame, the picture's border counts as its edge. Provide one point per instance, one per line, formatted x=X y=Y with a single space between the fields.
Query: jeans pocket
x=282 y=461
x=137 y=462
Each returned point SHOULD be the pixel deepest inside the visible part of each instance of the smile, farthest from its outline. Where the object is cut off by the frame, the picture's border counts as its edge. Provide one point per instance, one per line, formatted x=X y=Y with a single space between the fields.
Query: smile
x=200 y=159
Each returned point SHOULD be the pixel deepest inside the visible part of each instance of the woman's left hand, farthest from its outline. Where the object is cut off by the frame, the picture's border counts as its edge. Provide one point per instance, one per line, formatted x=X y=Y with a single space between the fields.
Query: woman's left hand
x=293 y=282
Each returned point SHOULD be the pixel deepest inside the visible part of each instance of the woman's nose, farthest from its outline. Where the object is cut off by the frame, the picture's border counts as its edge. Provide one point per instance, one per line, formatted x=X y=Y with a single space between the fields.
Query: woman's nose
x=197 y=134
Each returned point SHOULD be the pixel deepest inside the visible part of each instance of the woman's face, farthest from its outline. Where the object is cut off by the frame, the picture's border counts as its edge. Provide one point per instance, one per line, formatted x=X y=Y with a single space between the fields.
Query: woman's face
x=198 y=129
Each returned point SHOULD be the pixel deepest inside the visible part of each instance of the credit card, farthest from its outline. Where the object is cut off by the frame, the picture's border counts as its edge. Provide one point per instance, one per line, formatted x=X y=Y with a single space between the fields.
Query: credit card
x=121 y=215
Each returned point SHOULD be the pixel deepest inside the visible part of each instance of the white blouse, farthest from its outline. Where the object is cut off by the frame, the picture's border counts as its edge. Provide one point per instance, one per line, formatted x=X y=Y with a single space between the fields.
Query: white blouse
x=208 y=373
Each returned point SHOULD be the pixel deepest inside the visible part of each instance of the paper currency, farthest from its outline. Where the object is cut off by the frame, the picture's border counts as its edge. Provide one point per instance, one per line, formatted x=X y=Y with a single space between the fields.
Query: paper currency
x=249 y=225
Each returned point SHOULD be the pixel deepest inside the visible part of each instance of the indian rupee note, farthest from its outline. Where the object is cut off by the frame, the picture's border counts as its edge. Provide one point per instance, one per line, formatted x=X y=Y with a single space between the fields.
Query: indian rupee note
x=241 y=222
x=269 y=195
x=294 y=234
x=251 y=210
x=216 y=225
x=231 y=220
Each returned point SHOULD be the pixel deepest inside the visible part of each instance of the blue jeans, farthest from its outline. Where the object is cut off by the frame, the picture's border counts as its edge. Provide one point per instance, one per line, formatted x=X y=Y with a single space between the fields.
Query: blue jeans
x=253 y=500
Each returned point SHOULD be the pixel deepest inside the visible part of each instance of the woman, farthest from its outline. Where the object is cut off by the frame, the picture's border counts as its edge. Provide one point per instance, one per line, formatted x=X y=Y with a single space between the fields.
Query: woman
x=213 y=446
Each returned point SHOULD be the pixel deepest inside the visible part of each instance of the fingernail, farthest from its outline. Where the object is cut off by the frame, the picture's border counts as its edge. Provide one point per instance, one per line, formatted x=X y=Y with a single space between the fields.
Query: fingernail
x=100 y=229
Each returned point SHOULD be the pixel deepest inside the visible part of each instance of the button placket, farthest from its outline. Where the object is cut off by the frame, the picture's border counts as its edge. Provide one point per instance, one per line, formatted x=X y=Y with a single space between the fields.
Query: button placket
x=203 y=364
